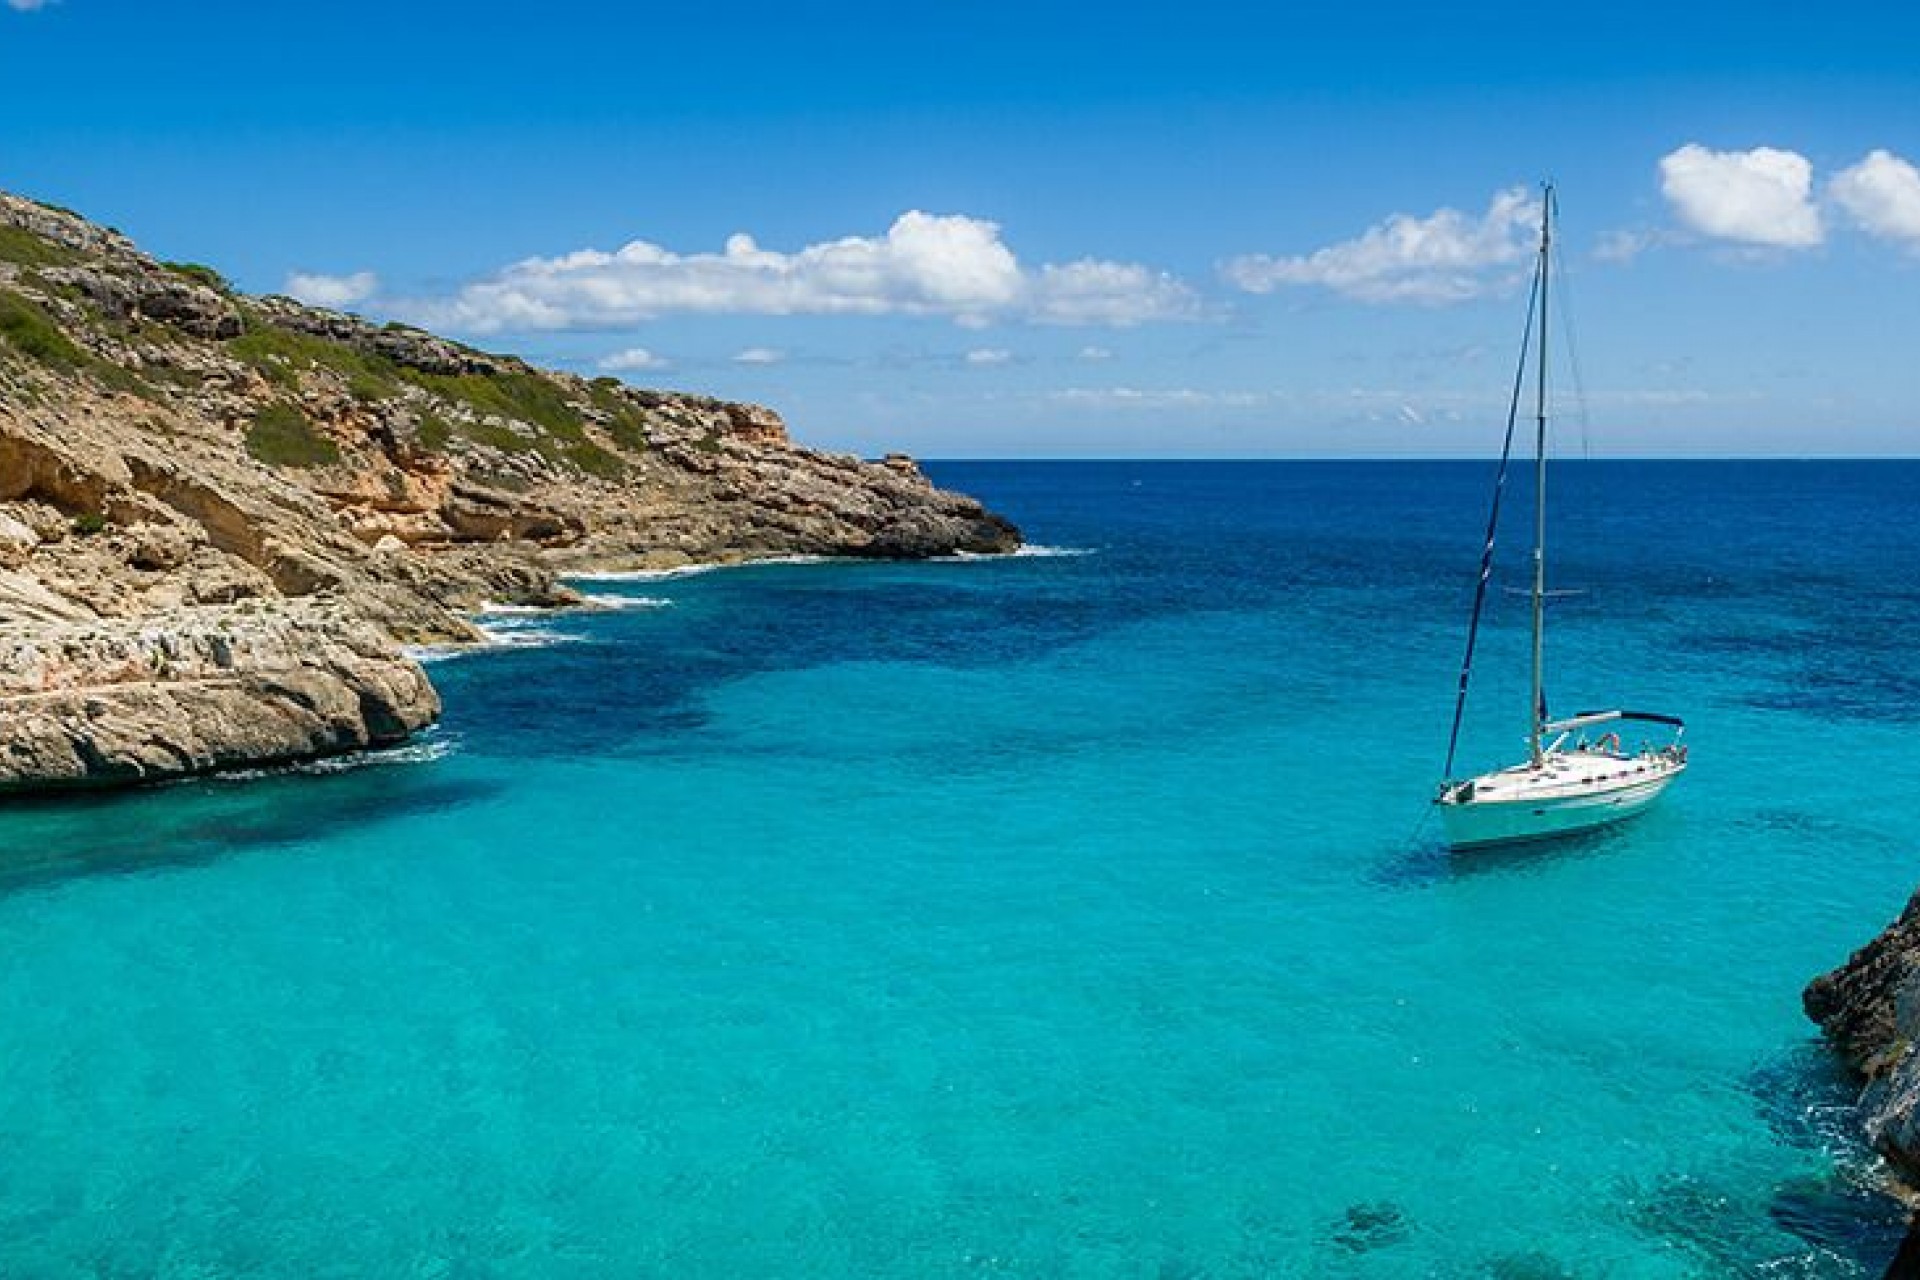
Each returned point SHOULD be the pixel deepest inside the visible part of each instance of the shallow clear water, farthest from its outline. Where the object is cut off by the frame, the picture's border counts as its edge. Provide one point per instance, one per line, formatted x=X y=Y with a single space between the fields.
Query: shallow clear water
x=1062 y=915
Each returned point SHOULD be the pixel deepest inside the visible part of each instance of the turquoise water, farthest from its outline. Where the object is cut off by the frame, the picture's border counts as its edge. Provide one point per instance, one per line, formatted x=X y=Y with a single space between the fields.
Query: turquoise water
x=1067 y=915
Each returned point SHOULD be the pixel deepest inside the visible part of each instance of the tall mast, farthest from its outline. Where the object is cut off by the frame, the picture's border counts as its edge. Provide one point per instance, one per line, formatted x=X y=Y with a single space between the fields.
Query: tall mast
x=1534 y=712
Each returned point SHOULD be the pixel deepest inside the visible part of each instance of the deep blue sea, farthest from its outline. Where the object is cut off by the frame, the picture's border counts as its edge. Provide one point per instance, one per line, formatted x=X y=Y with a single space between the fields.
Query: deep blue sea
x=1065 y=915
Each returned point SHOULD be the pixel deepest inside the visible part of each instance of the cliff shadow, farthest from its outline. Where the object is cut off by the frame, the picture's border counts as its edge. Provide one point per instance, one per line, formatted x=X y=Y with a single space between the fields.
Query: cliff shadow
x=52 y=838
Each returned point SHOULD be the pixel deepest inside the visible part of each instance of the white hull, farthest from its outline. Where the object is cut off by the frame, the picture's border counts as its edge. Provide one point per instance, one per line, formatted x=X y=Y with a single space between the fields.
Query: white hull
x=1569 y=794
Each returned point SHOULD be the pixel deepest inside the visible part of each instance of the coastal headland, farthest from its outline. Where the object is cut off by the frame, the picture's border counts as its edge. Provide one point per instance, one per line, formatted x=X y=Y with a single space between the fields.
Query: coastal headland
x=223 y=518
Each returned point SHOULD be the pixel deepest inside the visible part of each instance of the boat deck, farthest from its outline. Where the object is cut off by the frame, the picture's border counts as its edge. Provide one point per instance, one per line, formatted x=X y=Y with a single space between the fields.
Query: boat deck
x=1569 y=774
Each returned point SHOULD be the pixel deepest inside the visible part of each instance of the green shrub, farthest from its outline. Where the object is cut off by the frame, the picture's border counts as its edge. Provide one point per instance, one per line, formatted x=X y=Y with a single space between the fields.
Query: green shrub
x=526 y=396
x=626 y=421
x=281 y=436
x=28 y=328
x=33 y=333
x=88 y=523
x=22 y=246
x=199 y=274
x=279 y=354
x=595 y=461
x=434 y=432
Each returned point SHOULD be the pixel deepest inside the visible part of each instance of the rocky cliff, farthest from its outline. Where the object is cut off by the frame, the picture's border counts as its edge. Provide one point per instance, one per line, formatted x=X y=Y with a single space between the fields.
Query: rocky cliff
x=221 y=515
x=1869 y=1008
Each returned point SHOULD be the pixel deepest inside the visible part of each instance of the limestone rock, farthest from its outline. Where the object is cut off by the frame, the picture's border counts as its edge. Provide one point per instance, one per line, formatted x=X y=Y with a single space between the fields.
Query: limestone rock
x=17 y=541
x=1869 y=1008
x=1864 y=1006
x=192 y=691
x=302 y=491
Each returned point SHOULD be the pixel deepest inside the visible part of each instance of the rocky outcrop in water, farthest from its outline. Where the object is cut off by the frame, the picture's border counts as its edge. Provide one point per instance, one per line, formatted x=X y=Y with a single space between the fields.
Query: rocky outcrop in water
x=1869 y=1009
x=180 y=462
x=198 y=690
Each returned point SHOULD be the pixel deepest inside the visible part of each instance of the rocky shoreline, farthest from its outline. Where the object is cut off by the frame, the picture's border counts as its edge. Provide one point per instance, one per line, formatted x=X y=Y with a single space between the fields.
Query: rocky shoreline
x=1869 y=1008
x=224 y=518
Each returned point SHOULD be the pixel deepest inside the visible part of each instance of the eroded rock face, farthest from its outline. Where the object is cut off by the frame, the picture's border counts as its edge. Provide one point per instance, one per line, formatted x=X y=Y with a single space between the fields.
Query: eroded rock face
x=1864 y=1005
x=1869 y=1008
x=196 y=690
x=181 y=463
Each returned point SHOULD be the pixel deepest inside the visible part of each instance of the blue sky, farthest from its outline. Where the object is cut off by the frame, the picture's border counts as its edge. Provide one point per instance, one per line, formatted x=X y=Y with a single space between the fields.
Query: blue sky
x=1043 y=229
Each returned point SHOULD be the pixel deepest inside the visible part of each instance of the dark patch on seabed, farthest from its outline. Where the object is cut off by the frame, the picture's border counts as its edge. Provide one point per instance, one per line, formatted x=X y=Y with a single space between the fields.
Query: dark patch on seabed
x=641 y=678
x=1526 y=1266
x=1370 y=1225
x=1831 y=832
x=1427 y=860
x=48 y=839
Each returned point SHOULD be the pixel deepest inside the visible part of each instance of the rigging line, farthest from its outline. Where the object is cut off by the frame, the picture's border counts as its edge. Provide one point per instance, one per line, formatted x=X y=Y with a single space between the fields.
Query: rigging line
x=1493 y=524
x=1426 y=815
x=1564 y=279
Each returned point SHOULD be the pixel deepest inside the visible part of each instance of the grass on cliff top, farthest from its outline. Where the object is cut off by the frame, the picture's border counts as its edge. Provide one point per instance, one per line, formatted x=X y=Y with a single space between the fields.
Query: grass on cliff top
x=626 y=421
x=280 y=354
x=520 y=395
x=281 y=436
x=199 y=274
x=525 y=397
x=29 y=329
x=33 y=333
x=22 y=246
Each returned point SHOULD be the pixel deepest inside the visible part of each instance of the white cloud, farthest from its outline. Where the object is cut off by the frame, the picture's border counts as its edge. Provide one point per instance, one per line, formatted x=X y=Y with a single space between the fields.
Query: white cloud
x=28 y=6
x=926 y=264
x=331 y=291
x=1882 y=193
x=1625 y=246
x=983 y=356
x=1447 y=256
x=633 y=360
x=1095 y=353
x=760 y=355
x=1157 y=398
x=1110 y=294
x=1758 y=197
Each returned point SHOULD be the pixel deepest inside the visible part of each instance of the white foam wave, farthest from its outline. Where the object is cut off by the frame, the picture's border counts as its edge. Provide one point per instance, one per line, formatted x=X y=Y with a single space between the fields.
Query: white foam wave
x=424 y=749
x=524 y=635
x=611 y=602
x=692 y=570
x=428 y=654
x=1026 y=551
x=503 y=634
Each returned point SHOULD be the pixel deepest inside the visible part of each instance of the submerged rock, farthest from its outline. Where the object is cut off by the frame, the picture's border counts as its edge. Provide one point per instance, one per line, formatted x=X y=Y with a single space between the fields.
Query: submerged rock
x=1370 y=1225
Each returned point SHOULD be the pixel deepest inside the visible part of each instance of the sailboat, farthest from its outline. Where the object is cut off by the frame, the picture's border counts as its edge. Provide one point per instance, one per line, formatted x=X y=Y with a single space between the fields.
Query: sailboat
x=1579 y=774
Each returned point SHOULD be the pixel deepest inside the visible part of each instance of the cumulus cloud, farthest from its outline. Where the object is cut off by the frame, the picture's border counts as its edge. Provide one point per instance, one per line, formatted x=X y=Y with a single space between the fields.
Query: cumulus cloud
x=949 y=265
x=984 y=356
x=1095 y=353
x=632 y=360
x=1110 y=294
x=331 y=291
x=1882 y=194
x=1448 y=256
x=760 y=355
x=1760 y=197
